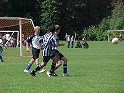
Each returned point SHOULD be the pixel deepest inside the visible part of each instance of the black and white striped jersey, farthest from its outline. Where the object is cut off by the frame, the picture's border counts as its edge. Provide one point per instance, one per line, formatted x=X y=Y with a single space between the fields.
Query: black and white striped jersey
x=49 y=41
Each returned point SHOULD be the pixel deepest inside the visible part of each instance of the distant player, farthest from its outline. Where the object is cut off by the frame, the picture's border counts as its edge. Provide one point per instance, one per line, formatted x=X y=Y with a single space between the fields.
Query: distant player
x=36 y=44
x=69 y=41
x=8 y=37
x=84 y=43
x=1 y=50
x=72 y=41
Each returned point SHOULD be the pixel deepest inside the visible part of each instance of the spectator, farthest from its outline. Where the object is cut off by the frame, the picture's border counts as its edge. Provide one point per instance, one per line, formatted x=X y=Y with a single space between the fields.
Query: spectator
x=66 y=35
x=72 y=41
x=68 y=39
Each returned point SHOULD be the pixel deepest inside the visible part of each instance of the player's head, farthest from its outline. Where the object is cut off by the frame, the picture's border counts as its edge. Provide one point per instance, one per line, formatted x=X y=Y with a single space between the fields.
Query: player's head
x=55 y=29
x=37 y=30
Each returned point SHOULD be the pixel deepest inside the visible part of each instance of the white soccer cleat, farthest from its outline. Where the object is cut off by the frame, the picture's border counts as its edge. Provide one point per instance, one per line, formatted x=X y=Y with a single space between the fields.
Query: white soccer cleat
x=48 y=74
x=42 y=70
x=65 y=74
x=26 y=71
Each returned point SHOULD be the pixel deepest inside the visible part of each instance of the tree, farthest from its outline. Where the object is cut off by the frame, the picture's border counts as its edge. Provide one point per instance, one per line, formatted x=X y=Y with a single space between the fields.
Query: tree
x=3 y=6
x=117 y=18
x=72 y=15
x=50 y=13
x=80 y=14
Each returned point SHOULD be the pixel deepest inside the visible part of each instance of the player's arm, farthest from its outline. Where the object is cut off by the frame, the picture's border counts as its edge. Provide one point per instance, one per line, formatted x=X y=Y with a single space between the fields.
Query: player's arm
x=27 y=46
x=59 y=43
x=55 y=43
x=41 y=43
x=28 y=41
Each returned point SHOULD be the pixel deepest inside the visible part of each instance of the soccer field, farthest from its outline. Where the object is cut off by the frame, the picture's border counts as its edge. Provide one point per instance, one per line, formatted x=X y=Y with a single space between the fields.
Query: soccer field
x=99 y=69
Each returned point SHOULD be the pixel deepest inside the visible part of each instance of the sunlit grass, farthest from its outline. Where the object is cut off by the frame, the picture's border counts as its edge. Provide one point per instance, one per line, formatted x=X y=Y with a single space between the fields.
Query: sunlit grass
x=99 y=69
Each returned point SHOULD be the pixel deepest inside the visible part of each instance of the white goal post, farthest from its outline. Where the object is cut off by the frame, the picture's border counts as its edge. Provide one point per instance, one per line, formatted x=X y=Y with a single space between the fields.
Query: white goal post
x=109 y=31
x=17 y=24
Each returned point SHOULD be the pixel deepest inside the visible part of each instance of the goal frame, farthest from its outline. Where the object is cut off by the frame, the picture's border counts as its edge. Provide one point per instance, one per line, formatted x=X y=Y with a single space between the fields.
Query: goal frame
x=19 y=21
x=108 y=32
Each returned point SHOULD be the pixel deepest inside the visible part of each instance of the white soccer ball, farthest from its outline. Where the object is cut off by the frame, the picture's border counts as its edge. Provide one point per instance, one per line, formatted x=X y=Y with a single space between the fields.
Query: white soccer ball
x=115 y=41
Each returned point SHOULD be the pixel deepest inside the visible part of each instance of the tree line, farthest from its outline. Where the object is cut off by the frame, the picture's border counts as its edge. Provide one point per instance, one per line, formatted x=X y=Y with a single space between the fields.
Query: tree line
x=89 y=17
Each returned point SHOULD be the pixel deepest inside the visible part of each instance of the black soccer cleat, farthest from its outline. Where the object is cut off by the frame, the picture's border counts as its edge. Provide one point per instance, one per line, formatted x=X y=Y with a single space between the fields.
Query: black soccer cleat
x=33 y=73
x=54 y=74
x=51 y=74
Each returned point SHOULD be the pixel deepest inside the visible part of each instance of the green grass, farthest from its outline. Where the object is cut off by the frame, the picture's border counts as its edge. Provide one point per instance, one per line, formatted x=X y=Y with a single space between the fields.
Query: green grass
x=99 y=69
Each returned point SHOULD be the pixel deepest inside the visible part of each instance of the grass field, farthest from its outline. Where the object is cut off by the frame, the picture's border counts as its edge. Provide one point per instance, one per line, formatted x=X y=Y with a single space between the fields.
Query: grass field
x=99 y=69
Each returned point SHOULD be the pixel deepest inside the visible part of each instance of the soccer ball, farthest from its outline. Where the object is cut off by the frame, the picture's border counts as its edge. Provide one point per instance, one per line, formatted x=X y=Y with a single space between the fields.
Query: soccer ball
x=115 y=41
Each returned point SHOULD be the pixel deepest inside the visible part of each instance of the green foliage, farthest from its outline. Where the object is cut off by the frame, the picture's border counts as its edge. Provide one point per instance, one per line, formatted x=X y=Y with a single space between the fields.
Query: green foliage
x=50 y=13
x=103 y=26
x=72 y=15
x=113 y=22
x=117 y=18
x=90 y=33
x=97 y=33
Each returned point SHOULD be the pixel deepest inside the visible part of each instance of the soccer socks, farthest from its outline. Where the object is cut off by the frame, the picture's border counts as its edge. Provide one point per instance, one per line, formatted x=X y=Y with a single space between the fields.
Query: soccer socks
x=28 y=66
x=1 y=59
x=53 y=68
x=37 y=65
x=64 y=68
x=33 y=72
x=56 y=68
x=38 y=68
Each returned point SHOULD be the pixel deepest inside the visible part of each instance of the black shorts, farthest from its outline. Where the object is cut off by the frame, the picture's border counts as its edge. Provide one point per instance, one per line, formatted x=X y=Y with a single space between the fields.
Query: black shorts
x=35 y=53
x=54 y=53
x=57 y=54
x=46 y=58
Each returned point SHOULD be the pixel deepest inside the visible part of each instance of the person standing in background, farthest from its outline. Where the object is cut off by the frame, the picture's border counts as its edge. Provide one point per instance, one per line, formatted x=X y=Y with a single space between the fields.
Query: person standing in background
x=68 y=40
x=72 y=41
x=66 y=36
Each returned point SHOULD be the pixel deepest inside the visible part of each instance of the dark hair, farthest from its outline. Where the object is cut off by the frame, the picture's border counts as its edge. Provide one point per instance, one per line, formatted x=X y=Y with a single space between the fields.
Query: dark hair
x=54 y=28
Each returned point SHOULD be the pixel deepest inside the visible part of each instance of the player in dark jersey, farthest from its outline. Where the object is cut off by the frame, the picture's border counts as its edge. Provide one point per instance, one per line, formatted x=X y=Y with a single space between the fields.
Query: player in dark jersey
x=36 y=45
x=59 y=55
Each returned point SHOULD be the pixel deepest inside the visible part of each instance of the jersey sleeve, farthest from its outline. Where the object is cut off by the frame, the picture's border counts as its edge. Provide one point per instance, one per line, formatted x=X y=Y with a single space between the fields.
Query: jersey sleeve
x=29 y=40
x=54 y=41
x=41 y=39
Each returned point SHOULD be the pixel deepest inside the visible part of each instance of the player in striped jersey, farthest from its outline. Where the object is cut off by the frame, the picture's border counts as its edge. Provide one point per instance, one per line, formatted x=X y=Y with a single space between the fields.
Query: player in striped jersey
x=36 y=44
x=59 y=55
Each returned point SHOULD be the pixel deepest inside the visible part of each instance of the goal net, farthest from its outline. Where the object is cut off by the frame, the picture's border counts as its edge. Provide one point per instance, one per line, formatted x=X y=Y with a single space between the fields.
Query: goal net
x=115 y=33
x=14 y=31
x=10 y=38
